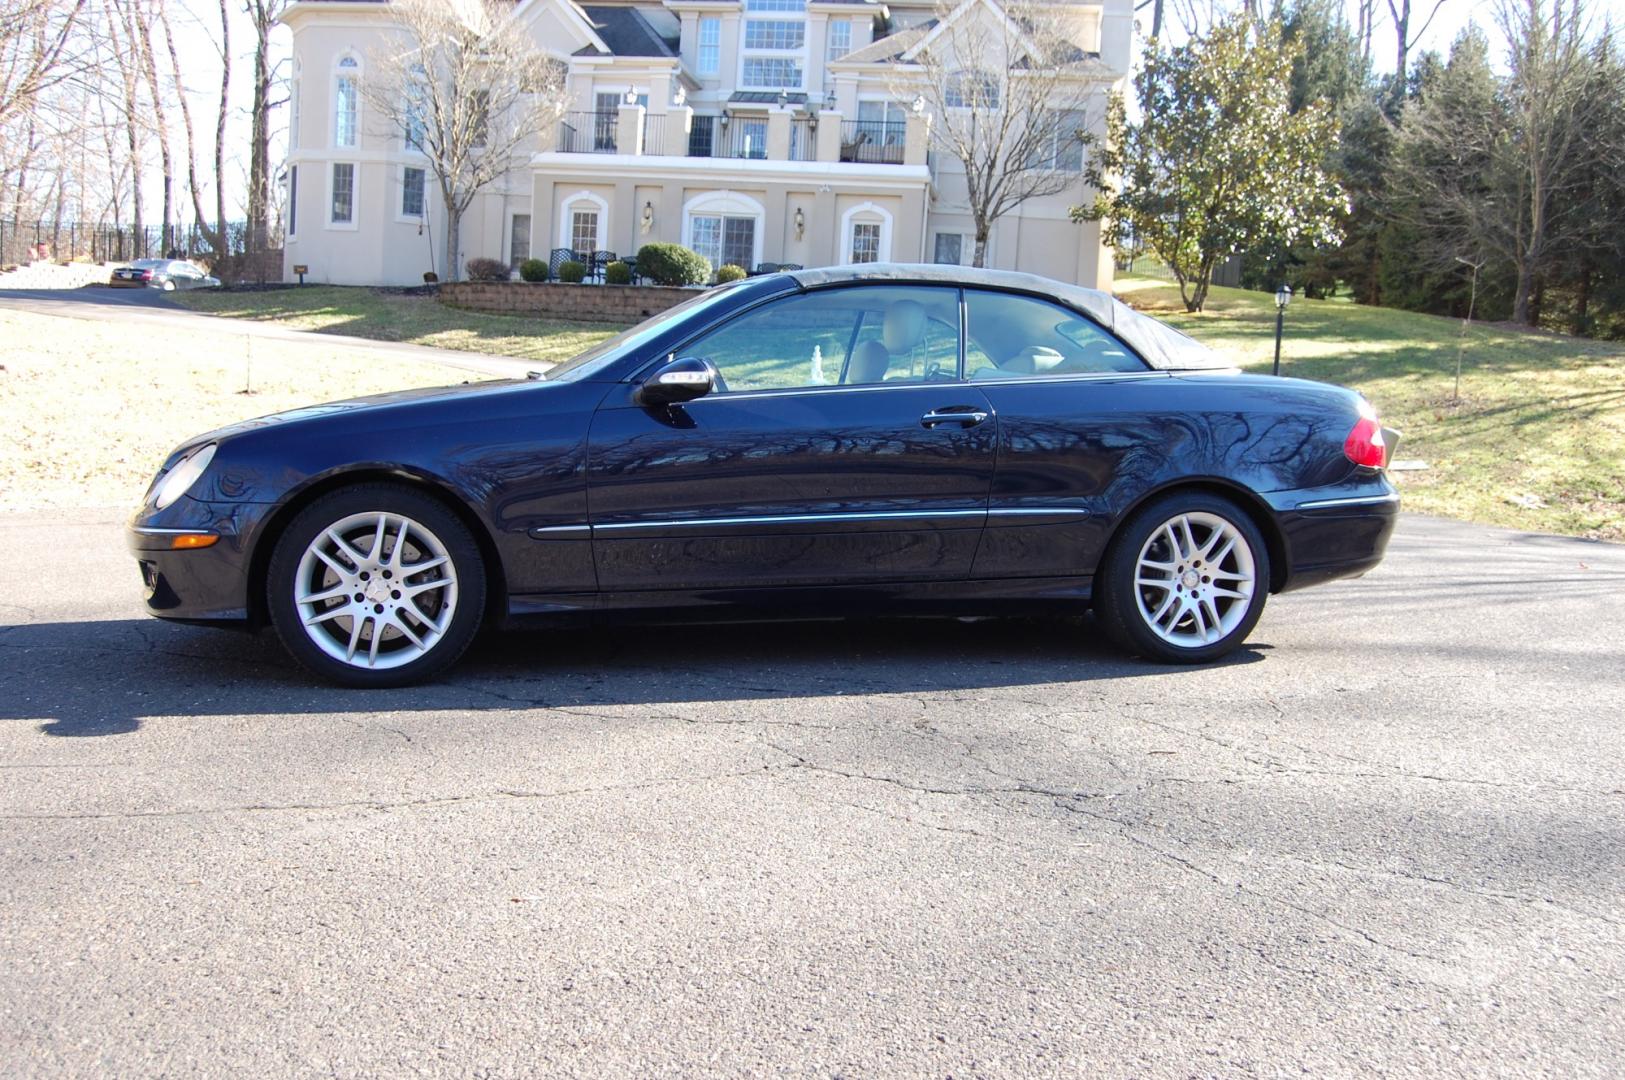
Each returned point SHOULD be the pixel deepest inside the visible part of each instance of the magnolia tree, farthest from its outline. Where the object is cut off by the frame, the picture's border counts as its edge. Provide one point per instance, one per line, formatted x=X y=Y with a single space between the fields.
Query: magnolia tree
x=1009 y=92
x=1218 y=163
x=465 y=84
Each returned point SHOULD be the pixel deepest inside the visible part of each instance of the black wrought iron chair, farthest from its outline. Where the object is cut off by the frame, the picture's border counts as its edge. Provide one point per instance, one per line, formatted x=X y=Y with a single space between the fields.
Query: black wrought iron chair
x=557 y=258
x=632 y=267
x=601 y=259
x=786 y=267
x=765 y=268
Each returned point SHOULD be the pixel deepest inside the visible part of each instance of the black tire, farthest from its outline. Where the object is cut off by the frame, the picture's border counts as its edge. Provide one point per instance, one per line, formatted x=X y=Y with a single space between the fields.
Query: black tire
x=1118 y=599
x=465 y=598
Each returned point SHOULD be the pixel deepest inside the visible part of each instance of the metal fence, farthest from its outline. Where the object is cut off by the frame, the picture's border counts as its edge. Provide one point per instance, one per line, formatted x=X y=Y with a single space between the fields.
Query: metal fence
x=588 y=132
x=874 y=141
x=65 y=241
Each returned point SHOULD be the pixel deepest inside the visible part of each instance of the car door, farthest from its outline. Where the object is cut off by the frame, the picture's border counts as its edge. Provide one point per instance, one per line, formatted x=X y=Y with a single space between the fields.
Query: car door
x=1072 y=403
x=839 y=447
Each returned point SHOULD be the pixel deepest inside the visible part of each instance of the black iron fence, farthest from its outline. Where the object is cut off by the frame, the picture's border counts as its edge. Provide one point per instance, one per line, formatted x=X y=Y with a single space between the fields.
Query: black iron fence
x=874 y=141
x=42 y=240
x=588 y=132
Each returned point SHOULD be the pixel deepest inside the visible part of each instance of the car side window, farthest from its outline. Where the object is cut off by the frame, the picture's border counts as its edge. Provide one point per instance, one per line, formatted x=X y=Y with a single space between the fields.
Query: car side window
x=855 y=335
x=1022 y=337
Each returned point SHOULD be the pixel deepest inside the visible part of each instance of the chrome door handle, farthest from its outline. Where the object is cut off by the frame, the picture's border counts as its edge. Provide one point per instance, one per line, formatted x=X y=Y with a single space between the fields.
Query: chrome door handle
x=969 y=418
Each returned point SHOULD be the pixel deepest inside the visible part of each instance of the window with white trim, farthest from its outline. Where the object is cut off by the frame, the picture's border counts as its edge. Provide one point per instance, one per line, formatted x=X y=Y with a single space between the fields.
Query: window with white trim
x=710 y=54
x=412 y=188
x=294 y=96
x=724 y=239
x=865 y=241
x=1061 y=147
x=584 y=231
x=293 y=200
x=518 y=240
x=342 y=210
x=884 y=123
x=839 y=39
x=415 y=112
x=773 y=51
x=968 y=89
x=347 y=103
x=950 y=248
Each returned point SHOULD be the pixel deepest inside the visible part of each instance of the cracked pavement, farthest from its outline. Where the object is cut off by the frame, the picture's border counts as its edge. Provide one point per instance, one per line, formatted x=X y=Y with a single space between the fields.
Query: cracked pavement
x=1388 y=837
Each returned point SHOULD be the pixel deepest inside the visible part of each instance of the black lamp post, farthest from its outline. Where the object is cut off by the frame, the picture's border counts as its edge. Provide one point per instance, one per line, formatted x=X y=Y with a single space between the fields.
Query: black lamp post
x=1283 y=297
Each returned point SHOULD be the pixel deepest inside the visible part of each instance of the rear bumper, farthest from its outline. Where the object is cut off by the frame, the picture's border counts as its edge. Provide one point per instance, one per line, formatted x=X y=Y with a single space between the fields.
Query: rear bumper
x=1334 y=533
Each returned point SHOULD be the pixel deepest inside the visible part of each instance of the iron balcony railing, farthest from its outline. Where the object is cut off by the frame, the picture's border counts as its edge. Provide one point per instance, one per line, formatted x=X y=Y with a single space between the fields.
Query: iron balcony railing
x=803 y=140
x=654 y=133
x=588 y=132
x=878 y=142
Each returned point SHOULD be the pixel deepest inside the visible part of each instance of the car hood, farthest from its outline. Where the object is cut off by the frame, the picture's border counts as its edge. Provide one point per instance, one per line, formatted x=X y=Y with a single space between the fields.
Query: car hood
x=375 y=404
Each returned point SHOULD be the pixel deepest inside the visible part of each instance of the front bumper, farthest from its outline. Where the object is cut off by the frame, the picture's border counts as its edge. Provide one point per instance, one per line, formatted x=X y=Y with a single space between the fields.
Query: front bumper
x=1335 y=532
x=202 y=584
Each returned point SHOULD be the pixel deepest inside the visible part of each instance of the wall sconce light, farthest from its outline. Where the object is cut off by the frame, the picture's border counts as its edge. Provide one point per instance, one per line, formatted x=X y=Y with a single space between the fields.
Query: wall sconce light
x=680 y=98
x=631 y=97
x=784 y=99
x=801 y=223
x=919 y=104
x=829 y=100
x=648 y=217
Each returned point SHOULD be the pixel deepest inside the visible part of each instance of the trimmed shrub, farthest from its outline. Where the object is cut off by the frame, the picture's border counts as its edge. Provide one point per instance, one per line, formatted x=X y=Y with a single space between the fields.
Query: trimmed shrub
x=572 y=272
x=617 y=273
x=487 y=270
x=533 y=270
x=730 y=272
x=673 y=264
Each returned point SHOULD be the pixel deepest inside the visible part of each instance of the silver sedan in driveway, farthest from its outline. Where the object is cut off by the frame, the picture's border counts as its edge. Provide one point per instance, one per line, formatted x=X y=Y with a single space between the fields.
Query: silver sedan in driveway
x=165 y=274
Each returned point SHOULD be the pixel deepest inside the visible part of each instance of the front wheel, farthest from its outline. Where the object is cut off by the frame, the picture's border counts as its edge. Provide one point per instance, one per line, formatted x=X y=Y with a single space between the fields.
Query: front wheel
x=376 y=585
x=1184 y=580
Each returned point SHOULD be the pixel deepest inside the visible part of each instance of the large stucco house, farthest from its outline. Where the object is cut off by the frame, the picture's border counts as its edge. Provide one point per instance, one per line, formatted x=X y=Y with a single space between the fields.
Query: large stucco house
x=753 y=131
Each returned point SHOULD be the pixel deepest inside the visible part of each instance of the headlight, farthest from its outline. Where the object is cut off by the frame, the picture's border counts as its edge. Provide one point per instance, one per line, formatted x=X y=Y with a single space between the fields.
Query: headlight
x=183 y=476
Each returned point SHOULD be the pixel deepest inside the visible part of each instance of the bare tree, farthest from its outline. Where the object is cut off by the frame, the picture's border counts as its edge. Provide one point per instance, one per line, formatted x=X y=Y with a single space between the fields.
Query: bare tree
x=215 y=237
x=1405 y=41
x=263 y=14
x=37 y=50
x=466 y=85
x=1010 y=94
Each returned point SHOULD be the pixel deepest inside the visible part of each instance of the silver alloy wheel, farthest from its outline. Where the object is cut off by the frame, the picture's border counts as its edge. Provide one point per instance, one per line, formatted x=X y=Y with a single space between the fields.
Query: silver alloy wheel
x=1194 y=579
x=375 y=590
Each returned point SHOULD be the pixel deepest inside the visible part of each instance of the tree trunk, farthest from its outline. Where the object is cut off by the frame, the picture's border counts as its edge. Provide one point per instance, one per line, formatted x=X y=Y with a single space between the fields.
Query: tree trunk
x=141 y=41
x=454 y=228
x=224 y=251
x=1523 y=296
x=979 y=252
x=259 y=150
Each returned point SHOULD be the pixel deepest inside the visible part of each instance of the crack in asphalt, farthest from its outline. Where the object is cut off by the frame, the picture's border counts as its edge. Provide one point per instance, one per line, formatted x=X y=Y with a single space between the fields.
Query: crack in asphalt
x=498 y=795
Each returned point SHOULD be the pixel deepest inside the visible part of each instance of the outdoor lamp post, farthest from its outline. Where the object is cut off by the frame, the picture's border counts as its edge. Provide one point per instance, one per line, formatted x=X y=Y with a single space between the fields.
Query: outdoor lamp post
x=1283 y=297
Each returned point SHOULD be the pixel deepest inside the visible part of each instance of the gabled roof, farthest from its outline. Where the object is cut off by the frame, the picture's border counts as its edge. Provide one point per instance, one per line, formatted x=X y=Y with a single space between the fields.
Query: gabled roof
x=625 y=32
x=891 y=47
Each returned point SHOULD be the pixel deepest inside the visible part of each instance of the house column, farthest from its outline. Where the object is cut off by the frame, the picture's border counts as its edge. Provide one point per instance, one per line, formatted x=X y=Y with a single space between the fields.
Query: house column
x=679 y=122
x=623 y=217
x=778 y=134
x=829 y=136
x=823 y=227
x=542 y=213
x=916 y=138
x=629 y=130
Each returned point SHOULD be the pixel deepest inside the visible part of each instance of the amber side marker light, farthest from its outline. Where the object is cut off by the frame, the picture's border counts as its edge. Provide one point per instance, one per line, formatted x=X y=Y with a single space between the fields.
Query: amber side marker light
x=193 y=540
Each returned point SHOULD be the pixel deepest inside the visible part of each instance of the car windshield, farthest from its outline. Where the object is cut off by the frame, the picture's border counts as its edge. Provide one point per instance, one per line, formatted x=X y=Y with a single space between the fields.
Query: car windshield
x=149 y=264
x=584 y=366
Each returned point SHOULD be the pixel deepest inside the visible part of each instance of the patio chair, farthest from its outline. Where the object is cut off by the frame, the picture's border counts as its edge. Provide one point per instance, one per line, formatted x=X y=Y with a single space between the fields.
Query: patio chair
x=786 y=267
x=557 y=258
x=599 y=260
x=765 y=268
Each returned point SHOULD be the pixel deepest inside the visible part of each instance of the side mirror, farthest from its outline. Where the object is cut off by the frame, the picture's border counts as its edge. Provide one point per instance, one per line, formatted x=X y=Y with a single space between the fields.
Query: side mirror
x=677 y=381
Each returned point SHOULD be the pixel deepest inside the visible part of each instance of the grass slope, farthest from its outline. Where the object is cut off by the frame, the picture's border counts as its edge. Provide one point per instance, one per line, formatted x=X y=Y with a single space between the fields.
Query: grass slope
x=419 y=320
x=1536 y=442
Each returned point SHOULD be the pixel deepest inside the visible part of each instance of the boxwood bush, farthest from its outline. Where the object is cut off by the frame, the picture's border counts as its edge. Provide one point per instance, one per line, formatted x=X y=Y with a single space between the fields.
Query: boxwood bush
x=673 y=264
x=533 y=270
x=487 y=270
x=730 y=272
x=617 y=273
x=572 y=272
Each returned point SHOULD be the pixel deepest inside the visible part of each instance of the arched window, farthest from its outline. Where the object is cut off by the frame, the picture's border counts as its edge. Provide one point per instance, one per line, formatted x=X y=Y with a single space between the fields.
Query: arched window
x=347 y=102
x=725 y=227
x=866 y=234
x=584 y=222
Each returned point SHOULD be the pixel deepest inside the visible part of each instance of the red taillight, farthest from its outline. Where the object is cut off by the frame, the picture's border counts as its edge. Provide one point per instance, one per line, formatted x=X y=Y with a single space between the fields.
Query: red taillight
x=146 y=275
x=1364 y=446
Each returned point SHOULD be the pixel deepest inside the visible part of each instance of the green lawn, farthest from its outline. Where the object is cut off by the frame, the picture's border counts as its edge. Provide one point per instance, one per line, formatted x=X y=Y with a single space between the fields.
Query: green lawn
x=1536 y=442
x=420 y=320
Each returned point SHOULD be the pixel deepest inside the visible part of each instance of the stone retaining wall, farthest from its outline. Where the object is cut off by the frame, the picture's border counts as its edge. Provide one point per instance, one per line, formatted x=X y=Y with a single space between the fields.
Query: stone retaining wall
x=587 y=303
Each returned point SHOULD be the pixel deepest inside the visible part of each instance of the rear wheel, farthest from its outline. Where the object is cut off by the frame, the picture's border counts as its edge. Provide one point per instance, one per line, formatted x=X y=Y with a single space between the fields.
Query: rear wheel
x=376 y=585
x=1185 y=579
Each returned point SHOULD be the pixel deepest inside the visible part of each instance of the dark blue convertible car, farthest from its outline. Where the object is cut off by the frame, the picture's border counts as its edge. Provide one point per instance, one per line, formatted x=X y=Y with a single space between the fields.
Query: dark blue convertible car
x=849 y=441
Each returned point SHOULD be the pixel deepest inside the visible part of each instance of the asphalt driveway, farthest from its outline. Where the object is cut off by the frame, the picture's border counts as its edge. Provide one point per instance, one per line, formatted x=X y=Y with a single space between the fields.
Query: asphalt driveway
x=1389 y=837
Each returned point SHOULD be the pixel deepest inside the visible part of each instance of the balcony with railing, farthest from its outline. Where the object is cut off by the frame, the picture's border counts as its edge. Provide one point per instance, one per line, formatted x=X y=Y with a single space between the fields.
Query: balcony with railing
x=779 y=135
x=588 y=132
x=875 y=142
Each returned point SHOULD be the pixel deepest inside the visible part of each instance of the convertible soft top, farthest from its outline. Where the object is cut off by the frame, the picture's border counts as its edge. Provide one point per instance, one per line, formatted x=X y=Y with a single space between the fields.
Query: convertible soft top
x=1163 y=347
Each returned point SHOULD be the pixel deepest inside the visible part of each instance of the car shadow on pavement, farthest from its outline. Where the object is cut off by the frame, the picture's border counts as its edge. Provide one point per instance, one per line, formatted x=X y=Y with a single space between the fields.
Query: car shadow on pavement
x=83 y=679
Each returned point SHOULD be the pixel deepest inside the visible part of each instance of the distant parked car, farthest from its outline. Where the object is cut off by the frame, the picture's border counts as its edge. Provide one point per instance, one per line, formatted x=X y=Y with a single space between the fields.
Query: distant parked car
x=165 y=274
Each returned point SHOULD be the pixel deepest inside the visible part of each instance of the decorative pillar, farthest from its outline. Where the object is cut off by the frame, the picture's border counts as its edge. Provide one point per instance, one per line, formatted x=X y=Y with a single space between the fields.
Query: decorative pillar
x=629 y=130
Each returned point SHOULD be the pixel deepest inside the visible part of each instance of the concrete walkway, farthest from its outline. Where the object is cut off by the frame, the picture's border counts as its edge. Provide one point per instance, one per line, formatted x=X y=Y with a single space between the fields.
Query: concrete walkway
x=150 y=308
